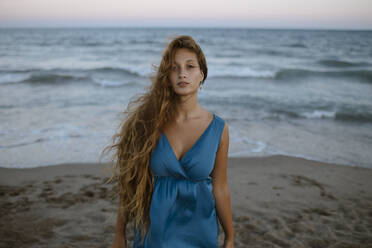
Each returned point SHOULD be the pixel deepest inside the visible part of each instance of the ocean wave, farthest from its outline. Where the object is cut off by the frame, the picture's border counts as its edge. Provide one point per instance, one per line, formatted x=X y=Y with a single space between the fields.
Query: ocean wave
x=338 y=115
x=293 y=74
x=341 y=63
x=240 y=72
x=52 y=78
x=81 y=43
x=6 y=106
x=113 y=83
x=62 y=76
x=122 y=71
x=319 y=114
x=354 y=117
x=232 y=54
x=36 y=77
x=145 y=41
x=13 y=77
x=40 y=140
x=297 y=45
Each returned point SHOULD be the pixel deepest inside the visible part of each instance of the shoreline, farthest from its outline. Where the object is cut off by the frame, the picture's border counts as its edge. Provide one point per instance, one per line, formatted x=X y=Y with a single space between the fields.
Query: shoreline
x=277 y=201
x=48 y=171
x=240 y=155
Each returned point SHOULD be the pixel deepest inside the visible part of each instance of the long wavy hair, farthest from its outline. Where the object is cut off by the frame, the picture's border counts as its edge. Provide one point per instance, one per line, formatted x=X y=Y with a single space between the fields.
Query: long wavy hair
x=142 y=125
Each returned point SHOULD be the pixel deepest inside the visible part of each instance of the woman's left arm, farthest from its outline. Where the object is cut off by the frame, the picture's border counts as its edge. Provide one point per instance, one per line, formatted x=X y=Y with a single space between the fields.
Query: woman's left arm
x=221 y=190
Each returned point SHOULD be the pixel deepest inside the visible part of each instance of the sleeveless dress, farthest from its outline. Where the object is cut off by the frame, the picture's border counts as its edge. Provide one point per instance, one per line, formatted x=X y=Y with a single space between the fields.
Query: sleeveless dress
x=182 y=210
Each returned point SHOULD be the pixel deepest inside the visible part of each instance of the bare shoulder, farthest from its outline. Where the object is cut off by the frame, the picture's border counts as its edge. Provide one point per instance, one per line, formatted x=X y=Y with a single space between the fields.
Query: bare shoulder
x=208 y=115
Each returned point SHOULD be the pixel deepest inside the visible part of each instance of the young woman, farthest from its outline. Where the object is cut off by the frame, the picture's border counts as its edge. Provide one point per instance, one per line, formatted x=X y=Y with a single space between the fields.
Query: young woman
x=171 y=160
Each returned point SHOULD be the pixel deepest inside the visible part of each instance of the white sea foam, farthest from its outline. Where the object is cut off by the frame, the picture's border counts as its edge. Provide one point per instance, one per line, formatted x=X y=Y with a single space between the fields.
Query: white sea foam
x=13 y=77
x=319 y=114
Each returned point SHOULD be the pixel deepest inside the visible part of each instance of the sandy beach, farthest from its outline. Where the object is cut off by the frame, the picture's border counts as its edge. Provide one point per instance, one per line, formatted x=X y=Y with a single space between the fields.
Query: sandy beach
x=277 y=201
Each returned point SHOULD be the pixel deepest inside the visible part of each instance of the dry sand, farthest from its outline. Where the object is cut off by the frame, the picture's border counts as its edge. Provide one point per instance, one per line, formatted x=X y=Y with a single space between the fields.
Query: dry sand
x=277 y=201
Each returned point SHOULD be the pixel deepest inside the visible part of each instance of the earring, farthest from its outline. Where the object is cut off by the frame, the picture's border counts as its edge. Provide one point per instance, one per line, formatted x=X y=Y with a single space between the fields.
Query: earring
x=201 y=86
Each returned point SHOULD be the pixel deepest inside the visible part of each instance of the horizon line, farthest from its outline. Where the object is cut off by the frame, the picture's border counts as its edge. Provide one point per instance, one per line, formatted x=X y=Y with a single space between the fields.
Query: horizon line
x=190 y=27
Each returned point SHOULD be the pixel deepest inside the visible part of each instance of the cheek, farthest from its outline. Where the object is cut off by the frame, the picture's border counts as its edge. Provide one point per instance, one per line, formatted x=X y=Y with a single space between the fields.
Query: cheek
x=197 y=75
x=172 y=78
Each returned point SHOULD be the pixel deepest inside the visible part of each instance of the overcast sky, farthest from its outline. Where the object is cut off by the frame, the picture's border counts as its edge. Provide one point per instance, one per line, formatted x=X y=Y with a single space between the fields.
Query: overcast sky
x=337 y=14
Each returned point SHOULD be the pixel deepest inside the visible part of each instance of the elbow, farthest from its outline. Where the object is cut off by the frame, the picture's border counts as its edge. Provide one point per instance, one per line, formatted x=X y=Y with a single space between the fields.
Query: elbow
x=221 y=190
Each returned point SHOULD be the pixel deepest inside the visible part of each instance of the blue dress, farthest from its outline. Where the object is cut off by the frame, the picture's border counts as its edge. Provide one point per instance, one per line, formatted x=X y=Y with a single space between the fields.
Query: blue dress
x=182 y=210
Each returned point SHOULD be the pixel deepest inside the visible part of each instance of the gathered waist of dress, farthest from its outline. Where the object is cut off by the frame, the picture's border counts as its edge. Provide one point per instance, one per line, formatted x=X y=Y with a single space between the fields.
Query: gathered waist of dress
x=184 y=178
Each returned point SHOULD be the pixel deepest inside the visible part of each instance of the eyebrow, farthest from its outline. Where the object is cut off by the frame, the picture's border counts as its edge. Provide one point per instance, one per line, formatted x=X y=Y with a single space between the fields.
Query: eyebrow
x=189 y=60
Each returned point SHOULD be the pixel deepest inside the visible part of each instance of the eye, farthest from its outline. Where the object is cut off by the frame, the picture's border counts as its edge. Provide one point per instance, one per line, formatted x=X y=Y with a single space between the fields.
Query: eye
x=190 y=66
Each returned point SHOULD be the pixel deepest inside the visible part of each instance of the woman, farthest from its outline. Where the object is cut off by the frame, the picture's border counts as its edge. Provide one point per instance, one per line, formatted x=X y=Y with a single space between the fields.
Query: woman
x=171 y=158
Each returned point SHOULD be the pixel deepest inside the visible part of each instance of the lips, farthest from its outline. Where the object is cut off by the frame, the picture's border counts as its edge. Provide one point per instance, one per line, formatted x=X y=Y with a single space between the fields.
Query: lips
x=182 y=83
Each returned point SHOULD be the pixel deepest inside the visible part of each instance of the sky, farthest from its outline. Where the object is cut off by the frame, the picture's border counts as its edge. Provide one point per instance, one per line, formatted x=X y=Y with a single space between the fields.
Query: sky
x=307 y=14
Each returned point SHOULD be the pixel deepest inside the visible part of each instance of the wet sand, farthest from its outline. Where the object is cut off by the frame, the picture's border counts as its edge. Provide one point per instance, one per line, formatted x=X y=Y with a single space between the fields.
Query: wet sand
x=277 y=201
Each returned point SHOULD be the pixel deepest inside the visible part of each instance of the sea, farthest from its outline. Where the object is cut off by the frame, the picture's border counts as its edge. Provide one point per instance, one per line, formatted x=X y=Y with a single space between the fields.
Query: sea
x=301 y=93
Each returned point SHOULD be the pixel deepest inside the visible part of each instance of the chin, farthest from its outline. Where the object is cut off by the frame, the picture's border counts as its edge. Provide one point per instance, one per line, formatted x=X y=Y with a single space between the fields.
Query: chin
x=185 y=93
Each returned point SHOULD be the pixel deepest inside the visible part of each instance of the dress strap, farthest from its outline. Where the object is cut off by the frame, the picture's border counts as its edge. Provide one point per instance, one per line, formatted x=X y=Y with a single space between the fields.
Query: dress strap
x=219 y=128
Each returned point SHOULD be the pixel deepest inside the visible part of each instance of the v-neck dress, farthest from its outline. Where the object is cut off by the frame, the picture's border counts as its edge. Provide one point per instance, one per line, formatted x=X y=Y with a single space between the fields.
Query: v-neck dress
x=182 y=210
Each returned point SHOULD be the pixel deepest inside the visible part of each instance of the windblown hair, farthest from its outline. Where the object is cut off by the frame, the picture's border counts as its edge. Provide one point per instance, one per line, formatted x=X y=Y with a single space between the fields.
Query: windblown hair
x=145 y=118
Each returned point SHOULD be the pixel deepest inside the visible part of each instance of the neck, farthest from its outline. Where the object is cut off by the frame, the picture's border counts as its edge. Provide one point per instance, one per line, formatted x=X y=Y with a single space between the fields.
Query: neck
x=188 y=107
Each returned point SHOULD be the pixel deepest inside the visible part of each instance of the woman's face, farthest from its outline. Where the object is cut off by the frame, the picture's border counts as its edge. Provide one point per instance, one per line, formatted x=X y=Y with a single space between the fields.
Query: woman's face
x=185 y=75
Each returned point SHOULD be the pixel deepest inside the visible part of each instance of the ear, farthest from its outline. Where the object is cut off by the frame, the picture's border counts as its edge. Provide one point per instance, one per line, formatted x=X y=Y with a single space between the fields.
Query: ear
x=202 y=74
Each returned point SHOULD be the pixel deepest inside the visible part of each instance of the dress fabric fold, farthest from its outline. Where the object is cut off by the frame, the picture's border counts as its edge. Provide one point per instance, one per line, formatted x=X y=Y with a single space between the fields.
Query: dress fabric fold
x=182 y=210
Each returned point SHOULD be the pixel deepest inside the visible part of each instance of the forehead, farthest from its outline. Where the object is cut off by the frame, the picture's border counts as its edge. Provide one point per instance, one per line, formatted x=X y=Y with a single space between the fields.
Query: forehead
x=184 y=55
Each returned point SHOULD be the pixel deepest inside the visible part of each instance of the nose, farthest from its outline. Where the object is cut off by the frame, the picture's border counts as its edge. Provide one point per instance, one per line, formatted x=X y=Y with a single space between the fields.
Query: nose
x=182 y=73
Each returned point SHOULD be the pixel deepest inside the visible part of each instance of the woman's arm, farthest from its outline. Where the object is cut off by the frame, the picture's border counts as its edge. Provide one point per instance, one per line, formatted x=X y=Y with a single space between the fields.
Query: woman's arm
x=221 y=189
x=120 y=240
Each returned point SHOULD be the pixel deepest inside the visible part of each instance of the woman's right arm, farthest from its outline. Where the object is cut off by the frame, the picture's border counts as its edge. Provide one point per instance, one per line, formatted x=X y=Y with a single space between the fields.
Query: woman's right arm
x=120 y=240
